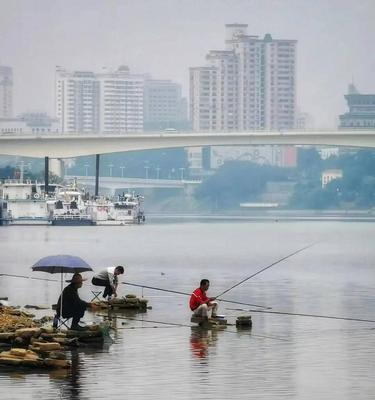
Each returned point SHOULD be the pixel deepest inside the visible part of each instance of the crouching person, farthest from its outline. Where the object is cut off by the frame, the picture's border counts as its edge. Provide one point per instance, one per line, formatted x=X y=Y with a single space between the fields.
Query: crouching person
x=200 y=304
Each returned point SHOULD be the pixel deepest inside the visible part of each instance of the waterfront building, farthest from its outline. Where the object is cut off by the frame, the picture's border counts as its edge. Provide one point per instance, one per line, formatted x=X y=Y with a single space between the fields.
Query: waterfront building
x=163 y=106
x=329 y=175
x=361 y=113
x=107 y=102
x=6 y=92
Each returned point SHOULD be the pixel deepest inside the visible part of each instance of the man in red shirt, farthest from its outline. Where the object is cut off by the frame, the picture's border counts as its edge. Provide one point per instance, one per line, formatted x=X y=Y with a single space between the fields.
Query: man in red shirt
x=200 y=304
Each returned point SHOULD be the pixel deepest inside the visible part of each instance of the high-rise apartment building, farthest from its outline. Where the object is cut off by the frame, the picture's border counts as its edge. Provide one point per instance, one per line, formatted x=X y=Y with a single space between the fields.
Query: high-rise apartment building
x=6 y=92
x=203 y=98
x=77 y=101
x=163 y=107
x=249 y=86
x=107 y=102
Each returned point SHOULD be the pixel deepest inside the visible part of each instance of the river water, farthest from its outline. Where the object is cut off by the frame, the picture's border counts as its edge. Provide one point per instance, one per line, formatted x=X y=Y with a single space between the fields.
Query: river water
x=283 y=357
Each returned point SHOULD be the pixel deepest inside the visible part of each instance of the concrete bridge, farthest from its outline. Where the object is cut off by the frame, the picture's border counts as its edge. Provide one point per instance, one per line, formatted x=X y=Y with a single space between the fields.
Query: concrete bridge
x=74 y=145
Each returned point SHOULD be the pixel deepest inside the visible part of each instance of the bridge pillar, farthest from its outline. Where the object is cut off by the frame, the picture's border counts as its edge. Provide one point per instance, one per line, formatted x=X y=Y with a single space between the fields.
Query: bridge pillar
x=97 y=162
x=46 y=174
x=56 y=166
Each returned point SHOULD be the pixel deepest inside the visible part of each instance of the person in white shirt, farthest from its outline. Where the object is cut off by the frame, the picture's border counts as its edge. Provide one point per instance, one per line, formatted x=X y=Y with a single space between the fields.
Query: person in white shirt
x=109 y=279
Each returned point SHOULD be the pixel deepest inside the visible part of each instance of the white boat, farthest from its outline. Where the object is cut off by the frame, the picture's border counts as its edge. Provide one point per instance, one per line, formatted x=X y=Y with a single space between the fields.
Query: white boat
x=23 y=202
x=68 y=207
x=123 y=210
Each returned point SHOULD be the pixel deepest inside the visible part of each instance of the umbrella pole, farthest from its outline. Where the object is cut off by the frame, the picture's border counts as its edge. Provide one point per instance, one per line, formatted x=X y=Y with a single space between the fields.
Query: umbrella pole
x=61 y=299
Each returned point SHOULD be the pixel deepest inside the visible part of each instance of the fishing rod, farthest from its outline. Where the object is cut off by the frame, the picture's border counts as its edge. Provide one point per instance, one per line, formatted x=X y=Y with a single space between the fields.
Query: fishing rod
x=306 y=315
x=173 y=324
x=29 y=277
x=188 y=294
x=263 y=269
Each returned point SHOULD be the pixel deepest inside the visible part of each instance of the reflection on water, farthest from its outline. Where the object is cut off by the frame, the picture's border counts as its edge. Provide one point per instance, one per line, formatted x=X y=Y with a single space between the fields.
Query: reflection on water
x=201 y=340
x=159 y=355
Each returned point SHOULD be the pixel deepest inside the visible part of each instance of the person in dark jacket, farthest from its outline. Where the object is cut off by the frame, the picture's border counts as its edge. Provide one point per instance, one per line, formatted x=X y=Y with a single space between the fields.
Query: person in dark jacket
x=72 y=306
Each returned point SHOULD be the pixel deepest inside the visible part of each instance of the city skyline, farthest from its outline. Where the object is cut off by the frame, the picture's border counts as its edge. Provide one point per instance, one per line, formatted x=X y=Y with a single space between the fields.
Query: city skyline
x=164 y=40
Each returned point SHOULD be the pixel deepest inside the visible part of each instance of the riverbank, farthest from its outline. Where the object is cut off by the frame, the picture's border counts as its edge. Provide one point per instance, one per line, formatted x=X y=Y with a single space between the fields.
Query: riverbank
x=269 y=215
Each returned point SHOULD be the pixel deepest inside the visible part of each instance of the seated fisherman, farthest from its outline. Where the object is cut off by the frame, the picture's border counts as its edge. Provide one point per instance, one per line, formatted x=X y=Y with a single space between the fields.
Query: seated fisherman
x=72 y=305
x=109 y=279
x=200 y=304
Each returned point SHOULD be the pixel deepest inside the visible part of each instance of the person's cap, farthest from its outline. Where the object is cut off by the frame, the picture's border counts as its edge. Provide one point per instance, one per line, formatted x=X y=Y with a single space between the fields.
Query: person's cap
x=76 y=278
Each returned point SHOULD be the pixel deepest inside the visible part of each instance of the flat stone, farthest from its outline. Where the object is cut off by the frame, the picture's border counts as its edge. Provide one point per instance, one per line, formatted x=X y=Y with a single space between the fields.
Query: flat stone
x=28 y=332
x=7 y=336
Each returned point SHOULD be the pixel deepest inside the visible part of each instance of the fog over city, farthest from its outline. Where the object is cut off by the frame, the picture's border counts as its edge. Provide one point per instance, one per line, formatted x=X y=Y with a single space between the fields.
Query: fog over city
x=164 y=38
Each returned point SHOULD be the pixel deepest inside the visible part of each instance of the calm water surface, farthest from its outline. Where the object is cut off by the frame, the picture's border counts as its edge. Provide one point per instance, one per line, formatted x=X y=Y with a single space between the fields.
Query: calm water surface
x=285 y=357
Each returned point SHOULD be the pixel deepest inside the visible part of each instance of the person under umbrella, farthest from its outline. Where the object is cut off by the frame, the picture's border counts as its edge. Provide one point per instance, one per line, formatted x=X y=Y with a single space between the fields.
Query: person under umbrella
x=72 y=306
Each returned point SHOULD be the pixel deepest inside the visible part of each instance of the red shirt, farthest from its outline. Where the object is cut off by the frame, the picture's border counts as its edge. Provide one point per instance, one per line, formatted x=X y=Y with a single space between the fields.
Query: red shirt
x=197 y=298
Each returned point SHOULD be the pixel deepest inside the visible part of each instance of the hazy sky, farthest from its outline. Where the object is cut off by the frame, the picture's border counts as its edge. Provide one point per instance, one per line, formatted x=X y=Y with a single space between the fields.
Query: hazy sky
x=336 y=40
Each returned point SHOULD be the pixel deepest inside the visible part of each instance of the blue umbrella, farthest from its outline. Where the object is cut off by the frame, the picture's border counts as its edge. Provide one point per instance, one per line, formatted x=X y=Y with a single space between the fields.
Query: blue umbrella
x=62 y=263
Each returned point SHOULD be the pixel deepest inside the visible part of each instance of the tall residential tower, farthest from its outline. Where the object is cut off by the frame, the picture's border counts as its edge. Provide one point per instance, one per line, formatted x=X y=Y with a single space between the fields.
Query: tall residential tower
x=250 y=85
x=108 y=102
x=6 y=92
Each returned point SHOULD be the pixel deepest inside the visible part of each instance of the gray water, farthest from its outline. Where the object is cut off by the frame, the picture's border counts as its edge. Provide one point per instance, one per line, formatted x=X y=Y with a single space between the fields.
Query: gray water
x=286 y=357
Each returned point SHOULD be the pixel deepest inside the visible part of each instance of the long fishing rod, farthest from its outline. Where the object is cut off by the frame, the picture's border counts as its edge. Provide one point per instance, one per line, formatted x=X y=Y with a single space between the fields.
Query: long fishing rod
x=29 y=277
x=306 y=315
x=188 y=294
x=173 y=324
x=263 y=269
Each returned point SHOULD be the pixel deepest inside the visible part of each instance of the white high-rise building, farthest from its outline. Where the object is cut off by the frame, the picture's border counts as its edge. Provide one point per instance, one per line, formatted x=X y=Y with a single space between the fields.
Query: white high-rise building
x=250 y=85
x=203 y=98
x=255 y=86
x=108 y=102
x=6 y=92
x=122 y=101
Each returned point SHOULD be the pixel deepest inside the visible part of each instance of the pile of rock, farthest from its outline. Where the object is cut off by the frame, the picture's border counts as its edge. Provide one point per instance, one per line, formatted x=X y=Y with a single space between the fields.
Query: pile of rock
x=28 y=358
x=12 y=319
x=28 y=344
x=128 y=302
x=28 y=348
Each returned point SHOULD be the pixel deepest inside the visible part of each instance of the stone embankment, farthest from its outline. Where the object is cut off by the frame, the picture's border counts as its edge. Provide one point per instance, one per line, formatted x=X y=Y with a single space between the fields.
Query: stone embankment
x=28 y=343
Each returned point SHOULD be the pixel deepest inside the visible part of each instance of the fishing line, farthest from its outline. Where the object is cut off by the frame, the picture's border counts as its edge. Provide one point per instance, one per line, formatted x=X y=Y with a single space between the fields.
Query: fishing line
x=263 y=269
x=29 y=277
x=188 y=294
x=306 y=315
x=143 y=327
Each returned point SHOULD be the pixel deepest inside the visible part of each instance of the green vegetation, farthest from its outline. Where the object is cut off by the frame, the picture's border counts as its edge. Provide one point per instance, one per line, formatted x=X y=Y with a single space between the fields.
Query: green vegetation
x=238 y=181
x=241 y=181
x=356 y=189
